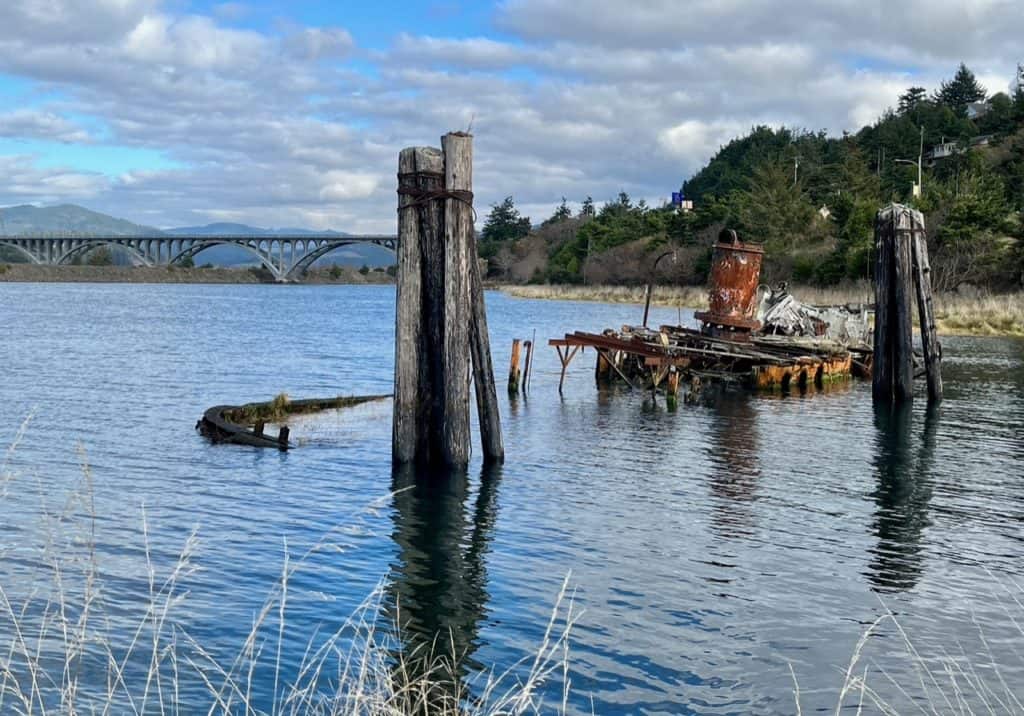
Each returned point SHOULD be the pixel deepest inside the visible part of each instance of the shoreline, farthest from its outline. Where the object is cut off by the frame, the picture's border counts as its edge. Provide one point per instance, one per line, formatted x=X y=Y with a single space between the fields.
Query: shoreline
x=34 y=273
x=978 y=314
x=957 y=314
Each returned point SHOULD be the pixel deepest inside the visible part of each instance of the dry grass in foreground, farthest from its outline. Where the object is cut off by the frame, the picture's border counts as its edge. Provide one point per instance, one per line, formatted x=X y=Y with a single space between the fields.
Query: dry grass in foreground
x=956 y=314
x=62 y=652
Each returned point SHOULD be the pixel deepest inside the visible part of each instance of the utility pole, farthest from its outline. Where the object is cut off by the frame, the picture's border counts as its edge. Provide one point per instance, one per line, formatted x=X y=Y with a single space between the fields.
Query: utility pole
x=920 y=157
x=918 y=188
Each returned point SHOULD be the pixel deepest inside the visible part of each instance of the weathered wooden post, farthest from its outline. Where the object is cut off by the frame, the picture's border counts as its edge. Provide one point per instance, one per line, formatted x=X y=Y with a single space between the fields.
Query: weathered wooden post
x=441 y=323
x=648 y=290
x=930 y=346
x=458 y=151
x=901 y=260
x=513 y=368
x=526 y=367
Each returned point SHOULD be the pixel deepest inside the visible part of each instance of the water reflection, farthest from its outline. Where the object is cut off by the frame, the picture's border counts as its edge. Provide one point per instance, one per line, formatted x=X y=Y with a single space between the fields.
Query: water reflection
x=902 y=496
x=438 y=592
x=735 y=464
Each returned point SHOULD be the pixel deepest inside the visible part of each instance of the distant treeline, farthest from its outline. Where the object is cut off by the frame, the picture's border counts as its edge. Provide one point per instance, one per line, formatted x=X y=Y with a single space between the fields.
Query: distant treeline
x=810 y=199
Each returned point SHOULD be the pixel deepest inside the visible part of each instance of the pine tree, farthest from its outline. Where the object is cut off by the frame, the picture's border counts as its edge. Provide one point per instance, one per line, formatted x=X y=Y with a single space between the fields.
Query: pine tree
x=960 y=91
x=911 y=99
x=587 y=210
x=504 y=223
x=562 y=213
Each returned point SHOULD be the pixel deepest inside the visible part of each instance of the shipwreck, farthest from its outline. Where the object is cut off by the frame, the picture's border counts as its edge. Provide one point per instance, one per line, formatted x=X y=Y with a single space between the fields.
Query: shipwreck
x=760 y=337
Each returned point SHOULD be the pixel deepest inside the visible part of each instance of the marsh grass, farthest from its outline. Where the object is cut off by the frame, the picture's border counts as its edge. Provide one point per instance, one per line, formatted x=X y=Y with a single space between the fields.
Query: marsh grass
x=981 y=314
x=968 y=313
x=69 y=648
x=951 y=678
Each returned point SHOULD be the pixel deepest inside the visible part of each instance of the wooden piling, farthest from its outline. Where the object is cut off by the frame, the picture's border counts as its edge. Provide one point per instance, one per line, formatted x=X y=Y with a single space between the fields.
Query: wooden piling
x=457 y=149
x=903 y=310
x=513 y=368
x=441 y=323
x=483 y=369
x=526 y=370
x=648 y=290
x=602 y=370
x=899 y=232
x=929 y=335
x=881 y=376
x=420 y=171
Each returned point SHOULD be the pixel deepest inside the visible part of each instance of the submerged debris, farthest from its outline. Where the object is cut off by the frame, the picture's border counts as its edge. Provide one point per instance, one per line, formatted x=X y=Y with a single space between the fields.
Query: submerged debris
x=244 y=424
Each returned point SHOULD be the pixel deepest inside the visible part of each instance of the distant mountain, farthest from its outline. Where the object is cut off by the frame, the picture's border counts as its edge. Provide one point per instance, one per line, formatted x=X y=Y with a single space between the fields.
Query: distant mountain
x=66 y=219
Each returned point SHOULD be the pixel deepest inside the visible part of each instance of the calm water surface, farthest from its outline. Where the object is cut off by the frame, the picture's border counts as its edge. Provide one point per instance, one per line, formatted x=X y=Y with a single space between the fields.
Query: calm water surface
x=710 y=547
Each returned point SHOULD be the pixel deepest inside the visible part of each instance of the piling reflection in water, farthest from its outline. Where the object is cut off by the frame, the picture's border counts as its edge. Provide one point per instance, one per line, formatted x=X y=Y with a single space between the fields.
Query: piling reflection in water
x=438 y=590
x=736 y=467
x=902 y=496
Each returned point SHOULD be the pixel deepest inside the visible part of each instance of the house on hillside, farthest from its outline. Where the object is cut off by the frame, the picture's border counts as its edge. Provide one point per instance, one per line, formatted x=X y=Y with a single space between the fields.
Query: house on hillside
x=948 y=149
x=977 y=109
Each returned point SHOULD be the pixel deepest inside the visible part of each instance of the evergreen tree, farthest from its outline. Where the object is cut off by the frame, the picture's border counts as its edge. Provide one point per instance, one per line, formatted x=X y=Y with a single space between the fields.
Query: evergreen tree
x=587 y=210
x=911 y=99
x=773 y=209
x=960 y=91
x=562 y=213
x=504 y=223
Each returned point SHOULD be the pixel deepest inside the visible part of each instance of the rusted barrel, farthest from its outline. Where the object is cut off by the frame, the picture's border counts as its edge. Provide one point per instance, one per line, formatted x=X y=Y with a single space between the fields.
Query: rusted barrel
x=732 y=296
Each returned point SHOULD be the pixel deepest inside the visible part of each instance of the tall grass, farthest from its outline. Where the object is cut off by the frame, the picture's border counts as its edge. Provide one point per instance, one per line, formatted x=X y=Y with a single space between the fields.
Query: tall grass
x=64 y=652
x=951 y=678
x=969 y=313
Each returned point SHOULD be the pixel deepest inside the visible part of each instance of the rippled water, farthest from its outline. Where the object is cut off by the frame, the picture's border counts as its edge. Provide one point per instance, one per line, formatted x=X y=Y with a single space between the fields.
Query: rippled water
x=710 y=548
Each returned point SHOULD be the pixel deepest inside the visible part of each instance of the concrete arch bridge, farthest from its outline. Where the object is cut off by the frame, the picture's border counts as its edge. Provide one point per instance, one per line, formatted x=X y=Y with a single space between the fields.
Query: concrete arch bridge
x=286 y=257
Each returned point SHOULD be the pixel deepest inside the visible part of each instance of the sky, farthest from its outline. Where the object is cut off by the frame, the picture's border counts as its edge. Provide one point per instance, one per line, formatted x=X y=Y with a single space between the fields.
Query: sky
x=292 y=113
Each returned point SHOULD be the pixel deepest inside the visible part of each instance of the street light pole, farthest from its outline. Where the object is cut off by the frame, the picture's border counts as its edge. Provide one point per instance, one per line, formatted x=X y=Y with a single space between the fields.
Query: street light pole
x=920 y=156
x=919 y=163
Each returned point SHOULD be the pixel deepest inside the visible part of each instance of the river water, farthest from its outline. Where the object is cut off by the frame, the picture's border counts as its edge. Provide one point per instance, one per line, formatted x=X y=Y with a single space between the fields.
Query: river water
x=714 y=551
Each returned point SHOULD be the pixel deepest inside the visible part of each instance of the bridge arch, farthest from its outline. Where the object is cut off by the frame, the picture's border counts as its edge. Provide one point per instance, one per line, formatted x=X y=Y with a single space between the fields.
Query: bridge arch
x=22 y=250
x=200 y=246
x=323 y=249
x=80 y=249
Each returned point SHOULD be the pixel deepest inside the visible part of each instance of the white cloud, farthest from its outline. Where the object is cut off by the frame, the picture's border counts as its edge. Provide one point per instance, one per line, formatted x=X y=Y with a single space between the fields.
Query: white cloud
x=25 y=181
x=317 y=43
x=41 y=124
x=589 y=98
x=694 y=140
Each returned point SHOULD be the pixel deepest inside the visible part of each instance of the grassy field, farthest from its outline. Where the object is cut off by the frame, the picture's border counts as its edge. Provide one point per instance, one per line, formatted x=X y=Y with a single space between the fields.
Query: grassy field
x=956 y=314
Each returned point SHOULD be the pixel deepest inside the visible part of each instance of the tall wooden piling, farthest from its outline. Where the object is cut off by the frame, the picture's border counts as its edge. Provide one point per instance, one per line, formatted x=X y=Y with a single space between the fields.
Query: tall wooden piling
x=930 y=346
x=513 y=368
x=526 y=369
x=483 y=366
x=441 y=326
x=903 y=314
x=901 y=264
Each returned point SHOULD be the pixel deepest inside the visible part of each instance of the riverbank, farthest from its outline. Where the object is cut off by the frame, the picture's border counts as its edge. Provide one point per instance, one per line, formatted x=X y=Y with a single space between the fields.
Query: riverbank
x=33 y=273
x=957 y=314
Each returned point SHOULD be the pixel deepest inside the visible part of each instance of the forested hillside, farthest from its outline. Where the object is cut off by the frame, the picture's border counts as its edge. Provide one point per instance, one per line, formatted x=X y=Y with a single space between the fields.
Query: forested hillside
x=811 y=199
